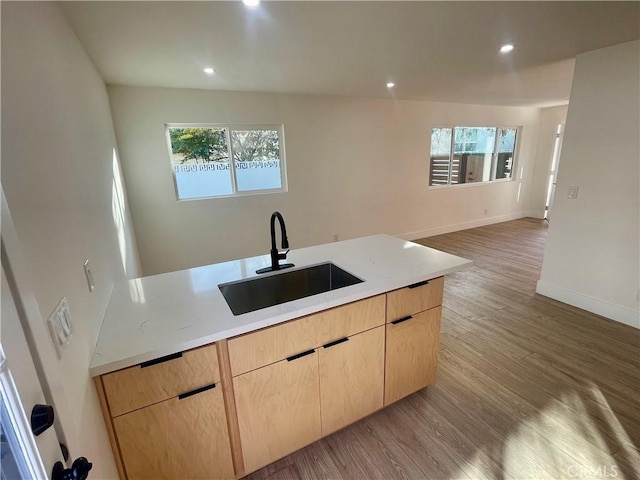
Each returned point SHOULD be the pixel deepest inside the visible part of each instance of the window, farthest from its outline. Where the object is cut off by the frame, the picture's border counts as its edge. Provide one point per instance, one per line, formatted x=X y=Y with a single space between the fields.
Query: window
x=471 y=154
x=219 y=160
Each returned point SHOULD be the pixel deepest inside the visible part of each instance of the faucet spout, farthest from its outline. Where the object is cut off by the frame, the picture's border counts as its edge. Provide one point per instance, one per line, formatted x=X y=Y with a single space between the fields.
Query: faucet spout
x=276 y=256
x=283 y=231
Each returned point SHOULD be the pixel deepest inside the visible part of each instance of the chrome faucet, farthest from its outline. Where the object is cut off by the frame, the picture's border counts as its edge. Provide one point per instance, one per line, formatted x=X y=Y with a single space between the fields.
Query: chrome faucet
x=276 y=256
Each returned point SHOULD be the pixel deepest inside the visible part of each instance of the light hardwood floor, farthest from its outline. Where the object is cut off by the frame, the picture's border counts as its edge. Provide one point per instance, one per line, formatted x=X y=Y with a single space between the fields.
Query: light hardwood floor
x=527 y=388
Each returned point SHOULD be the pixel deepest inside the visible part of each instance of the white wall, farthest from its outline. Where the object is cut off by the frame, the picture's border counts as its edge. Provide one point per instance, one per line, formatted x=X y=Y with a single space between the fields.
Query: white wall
x=58 y=149
x=549 y=120
x=592 y=255
x=355 y=167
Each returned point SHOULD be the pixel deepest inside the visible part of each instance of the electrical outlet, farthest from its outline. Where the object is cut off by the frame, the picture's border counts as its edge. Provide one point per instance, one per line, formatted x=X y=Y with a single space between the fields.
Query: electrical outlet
x=336 y=237
x=60 y=326
x=89 y=275
x=573 y=192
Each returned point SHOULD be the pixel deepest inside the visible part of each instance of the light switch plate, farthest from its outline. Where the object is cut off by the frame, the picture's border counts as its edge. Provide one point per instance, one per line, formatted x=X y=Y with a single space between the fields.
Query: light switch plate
x=60 y=326
x=89 y=275
x=573 y=192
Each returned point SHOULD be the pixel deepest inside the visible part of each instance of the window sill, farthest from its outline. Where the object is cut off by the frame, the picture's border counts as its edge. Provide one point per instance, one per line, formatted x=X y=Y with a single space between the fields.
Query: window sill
x=237 y=194
x=473 y=184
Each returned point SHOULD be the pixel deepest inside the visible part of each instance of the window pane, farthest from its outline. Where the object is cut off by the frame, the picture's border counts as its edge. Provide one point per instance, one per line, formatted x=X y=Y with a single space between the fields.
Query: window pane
x=14 y=462
x=256 y=156
x=200 y=160
x=506 y=152
x=473 y=150
x=471 y=154
x=440 y=156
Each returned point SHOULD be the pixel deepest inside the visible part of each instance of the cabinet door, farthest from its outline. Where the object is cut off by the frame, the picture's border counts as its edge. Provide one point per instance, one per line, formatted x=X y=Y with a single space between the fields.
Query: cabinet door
x=278 y=409
x=412 y=354
x=351 y=378
x=178 y=438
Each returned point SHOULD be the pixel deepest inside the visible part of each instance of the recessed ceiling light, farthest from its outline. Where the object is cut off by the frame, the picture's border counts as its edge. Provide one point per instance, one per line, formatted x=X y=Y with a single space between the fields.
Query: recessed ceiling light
x=390 y=84
x=209 y=71
x=506 y=48
x=251 y=3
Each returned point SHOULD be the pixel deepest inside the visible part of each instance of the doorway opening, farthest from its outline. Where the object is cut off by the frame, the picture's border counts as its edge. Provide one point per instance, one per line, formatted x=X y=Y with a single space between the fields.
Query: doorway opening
x=553 y=170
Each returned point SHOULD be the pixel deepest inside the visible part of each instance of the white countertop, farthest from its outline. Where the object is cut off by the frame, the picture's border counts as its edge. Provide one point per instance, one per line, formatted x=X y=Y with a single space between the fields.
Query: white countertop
x=163 y=314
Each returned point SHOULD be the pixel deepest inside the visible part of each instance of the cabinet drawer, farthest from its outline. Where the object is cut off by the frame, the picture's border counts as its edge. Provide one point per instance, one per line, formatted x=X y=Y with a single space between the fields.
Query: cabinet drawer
x=272 y=344
x=414 y=298
x=158 y=380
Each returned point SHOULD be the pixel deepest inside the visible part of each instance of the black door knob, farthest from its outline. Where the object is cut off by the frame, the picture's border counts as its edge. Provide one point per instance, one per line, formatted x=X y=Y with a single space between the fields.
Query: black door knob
x=41 y=418
x=78 y=471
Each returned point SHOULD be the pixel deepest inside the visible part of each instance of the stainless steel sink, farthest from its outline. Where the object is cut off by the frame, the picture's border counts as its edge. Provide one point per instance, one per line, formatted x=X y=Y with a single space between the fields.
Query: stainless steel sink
x=248 y=295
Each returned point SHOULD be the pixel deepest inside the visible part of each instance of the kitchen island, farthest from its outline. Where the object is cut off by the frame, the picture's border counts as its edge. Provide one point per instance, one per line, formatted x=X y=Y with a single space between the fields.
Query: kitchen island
x=288 y=374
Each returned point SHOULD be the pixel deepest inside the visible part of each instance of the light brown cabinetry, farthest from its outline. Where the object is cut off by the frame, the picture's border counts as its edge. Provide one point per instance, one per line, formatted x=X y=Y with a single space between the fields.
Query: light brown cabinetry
x=161 y=379
x=177 y=438
x=414 y=298
x=166 y=418
x=282 y=387
x=412 y=354
x=269 y=345
x=413 y=338
x=278 y=409
x=351 y=379
x=304 y=379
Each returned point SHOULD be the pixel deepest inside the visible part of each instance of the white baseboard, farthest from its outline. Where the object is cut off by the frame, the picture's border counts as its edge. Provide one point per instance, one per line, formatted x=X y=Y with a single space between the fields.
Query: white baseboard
x=591 y=304
x=481 y=222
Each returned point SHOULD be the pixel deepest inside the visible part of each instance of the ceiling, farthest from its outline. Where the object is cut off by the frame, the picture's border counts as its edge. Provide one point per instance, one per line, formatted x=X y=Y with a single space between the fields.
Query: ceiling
x=438 y=51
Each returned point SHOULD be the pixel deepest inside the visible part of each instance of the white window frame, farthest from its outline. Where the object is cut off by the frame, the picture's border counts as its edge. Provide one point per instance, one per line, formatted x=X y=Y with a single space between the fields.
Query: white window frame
x=228 y=127
x=494 y=156
x=23 y=445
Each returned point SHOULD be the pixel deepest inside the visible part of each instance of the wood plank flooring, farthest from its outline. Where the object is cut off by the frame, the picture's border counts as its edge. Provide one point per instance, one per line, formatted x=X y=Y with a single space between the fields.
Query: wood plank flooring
x=527 y=388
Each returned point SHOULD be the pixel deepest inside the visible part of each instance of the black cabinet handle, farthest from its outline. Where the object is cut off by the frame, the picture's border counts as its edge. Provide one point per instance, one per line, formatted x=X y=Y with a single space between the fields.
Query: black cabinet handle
x=196 y=391
x=335 y=342
x=156 y=361
x=300 y=355
x=400 y=320
x=419 y=284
